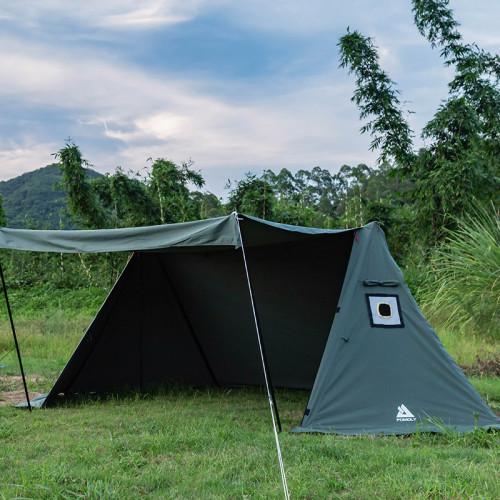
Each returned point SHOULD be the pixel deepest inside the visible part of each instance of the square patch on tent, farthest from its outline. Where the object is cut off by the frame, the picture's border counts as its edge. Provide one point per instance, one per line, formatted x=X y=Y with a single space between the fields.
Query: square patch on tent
x=384 y=311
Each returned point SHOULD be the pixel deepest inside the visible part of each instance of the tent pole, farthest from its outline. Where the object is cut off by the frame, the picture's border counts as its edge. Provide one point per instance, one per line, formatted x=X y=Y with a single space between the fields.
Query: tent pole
x=267 y=375
x=265 y=364
x=15 y=337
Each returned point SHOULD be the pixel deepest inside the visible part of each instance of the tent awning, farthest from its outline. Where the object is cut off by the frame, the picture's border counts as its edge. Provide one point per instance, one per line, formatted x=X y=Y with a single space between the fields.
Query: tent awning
x=217 y=232
x=220 y=231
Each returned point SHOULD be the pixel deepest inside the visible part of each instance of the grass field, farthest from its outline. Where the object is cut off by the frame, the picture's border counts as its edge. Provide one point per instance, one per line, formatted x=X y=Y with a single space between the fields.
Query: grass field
x=193 y=444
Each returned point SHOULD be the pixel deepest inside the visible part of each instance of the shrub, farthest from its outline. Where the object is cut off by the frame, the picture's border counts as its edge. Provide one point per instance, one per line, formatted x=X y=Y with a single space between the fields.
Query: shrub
x=467 y=271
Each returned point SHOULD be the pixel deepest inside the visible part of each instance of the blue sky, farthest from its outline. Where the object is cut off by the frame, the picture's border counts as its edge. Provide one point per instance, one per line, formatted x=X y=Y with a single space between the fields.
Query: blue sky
x=236 y=86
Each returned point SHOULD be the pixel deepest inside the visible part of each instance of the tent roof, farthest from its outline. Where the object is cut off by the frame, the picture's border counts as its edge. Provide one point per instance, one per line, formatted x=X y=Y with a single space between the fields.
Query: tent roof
x=217 y=232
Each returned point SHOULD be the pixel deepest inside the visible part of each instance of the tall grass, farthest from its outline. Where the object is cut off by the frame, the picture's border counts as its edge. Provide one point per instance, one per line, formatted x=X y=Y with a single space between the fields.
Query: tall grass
x=46 y=345
x=466 y=294
x=49 y=324
x=44 y=301
x=466 y=348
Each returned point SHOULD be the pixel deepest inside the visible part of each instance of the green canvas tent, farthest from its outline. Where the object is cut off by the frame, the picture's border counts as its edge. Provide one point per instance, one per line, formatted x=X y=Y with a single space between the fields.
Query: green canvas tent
x=335 y=318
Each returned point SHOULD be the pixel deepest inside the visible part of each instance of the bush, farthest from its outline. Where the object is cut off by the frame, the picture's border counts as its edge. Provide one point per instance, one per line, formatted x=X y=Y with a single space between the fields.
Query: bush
x=467 y=267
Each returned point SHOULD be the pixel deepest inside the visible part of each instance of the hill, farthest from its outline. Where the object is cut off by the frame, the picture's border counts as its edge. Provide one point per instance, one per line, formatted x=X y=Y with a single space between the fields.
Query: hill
x=31 y=200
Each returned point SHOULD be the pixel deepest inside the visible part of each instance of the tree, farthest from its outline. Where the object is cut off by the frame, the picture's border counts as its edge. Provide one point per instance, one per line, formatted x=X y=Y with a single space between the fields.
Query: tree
x=206 y=205
x=308 y=198
x=252 y=196
x=461 y=162
x=377 y=99
x=121 y=200
x=82 y=201
x=3 y=217
x=169 y=183
x=126 y=199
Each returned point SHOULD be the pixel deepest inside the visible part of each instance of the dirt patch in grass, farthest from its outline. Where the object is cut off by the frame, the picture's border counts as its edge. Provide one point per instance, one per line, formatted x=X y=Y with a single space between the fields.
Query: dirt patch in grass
x=483 y=367
x=15 y=397
x=12 y=390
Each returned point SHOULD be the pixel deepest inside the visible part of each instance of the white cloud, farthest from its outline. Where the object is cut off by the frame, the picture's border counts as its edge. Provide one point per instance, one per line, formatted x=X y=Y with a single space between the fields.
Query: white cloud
x=143 y=15
x=23 y=72
x=104 y=14
x=152 y=116
x=16 y=158
x=74 y=80
x=293 y=130
x=122 y=113
x=141 y=19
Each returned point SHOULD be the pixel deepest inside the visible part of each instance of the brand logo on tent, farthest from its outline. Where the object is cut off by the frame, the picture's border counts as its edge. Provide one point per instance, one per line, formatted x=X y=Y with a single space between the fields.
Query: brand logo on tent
x=404 y=414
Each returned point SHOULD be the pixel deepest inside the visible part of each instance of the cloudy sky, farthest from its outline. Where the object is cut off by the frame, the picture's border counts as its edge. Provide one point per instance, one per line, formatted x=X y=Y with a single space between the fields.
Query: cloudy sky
x=234 y=85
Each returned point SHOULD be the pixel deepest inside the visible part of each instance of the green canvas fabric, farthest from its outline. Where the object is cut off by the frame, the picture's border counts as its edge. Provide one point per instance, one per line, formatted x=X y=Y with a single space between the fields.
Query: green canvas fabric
x=186 y=317
x=387 y=380
x=181 y=312
x=221 y=231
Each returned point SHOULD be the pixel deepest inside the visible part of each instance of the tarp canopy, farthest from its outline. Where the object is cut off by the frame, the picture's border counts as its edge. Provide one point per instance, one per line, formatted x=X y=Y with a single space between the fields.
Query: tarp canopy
x=335 y=314
x=211 y=232
x=217 y=232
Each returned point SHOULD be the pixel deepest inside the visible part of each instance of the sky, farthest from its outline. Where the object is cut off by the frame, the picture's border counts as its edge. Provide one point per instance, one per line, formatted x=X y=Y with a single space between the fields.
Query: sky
x=235 y=86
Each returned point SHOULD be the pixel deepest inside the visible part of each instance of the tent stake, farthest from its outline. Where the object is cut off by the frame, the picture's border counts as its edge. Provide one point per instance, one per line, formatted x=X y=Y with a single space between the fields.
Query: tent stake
x=15 y=337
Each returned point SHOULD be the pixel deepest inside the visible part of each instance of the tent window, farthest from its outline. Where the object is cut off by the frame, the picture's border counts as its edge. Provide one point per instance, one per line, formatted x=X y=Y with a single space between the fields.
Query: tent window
x=384 y=311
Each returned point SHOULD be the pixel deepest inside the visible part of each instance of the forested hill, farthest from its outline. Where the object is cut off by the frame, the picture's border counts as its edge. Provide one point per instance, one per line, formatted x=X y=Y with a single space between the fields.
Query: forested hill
x=31 y=200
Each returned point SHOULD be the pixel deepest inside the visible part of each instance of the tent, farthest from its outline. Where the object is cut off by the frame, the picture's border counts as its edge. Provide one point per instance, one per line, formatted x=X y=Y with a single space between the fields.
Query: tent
x=334 y=314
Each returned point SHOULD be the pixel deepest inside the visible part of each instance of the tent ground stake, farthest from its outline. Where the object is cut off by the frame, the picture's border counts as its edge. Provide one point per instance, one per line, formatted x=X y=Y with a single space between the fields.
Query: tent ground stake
x=15 y=337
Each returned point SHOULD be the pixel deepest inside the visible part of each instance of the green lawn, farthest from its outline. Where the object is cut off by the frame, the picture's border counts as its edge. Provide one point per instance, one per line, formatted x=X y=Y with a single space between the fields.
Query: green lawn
x=219 y=444
x=190 y=444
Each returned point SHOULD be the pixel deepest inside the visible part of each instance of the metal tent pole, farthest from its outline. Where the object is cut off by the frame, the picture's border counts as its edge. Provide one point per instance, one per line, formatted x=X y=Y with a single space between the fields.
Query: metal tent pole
x=267 y=375
x=15 y=337
x=265 y=364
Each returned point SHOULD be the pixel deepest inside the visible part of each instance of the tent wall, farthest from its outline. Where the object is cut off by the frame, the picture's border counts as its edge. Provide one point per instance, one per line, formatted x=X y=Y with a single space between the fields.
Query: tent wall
x=185 y=316
x=387 y=379
x=139 y=337
x=216 y=299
